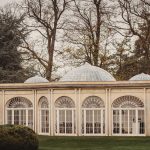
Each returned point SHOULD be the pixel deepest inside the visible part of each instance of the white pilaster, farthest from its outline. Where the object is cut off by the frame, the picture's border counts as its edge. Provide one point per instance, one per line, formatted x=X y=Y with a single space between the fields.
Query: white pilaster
x=52 y=113
x=145 y=112
x=106 y=112
x=79 y=112
x=109 y=114
x=3 y=117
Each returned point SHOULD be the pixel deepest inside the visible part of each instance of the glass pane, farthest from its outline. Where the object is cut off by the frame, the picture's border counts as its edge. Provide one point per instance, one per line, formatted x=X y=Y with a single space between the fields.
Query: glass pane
x=116 y=123
x=61 y=121
x=103 y=123
x=23 y=117
x=132 y=122
x=82 y=126
x=124 y=114
x=141 y=126
x=16 y=117
x=68 y=121
x=44 y=121
x=30 y=118
x=89 y=121
x=9 y=116
x=97 y=121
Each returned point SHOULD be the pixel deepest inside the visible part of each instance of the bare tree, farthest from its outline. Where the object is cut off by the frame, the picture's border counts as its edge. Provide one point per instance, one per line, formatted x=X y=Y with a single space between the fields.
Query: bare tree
x=136 y=20
x=44 y=18
x=89 y=33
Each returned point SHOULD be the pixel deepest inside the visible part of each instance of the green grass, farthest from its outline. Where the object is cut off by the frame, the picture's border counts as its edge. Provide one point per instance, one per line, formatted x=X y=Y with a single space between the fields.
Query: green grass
x=94 y=143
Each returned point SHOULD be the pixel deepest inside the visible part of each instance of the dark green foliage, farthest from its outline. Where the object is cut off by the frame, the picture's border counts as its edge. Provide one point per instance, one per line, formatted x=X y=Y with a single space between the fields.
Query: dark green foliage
x=11 y=69
x=14 y=137
x=142 y=49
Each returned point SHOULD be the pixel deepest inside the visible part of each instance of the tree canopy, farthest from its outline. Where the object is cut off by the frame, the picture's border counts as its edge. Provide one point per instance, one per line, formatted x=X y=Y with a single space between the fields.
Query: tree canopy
x=112 y=35
x=11 y=69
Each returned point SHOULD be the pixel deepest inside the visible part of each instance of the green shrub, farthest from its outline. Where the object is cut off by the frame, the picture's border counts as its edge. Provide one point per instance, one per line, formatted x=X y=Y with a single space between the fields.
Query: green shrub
x=16 y=137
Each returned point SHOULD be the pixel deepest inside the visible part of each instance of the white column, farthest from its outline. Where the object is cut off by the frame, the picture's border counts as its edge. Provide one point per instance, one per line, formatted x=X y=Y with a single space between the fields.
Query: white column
x=93 y=119
x=6 y=120
x=49 y=110
x=73 y=121
x=3 y=105
x=39 y=120
x=106 y=112
x=65 y=120
x=79 y=113
x=52 y=113
x=26 y=117
x=128 y=122
x=36 y=117
x=84 y=121
x=120 y=121
x=137 y=122
x=102 y=120
x=76 y=112
x=57 y=120
x=145 y=112
x=109 y=114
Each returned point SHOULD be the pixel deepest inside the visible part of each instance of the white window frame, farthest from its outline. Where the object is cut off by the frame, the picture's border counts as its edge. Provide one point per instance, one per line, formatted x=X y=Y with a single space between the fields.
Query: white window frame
x=128 y=103
x=46 y=109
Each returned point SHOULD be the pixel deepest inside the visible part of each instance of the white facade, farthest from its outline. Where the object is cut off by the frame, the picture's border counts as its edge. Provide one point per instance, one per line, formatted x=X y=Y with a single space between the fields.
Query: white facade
x=79 y=108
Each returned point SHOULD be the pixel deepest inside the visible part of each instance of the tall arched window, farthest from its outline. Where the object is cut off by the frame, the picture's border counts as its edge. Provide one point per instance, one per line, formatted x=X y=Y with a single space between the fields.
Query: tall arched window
x=128 y=116
x=65 y=115
x=44 y=115
x=93 y=116
x=20 y=111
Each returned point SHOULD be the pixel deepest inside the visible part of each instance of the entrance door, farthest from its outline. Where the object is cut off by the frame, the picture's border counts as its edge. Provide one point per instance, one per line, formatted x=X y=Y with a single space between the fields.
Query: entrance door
x=128 y=122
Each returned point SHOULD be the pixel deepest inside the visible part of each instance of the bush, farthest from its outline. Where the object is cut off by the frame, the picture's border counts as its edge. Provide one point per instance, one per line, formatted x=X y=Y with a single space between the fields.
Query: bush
x=16 y=137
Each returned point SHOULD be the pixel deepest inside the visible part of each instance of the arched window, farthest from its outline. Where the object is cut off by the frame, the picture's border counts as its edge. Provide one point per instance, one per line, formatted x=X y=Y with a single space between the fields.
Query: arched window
x=127 y=102
x=19 y=102
x=44 y=115
x=64 y=102
x=93 y=102
x=93 y=116
x=128 y=116
x=20 y=111
x=65 y=115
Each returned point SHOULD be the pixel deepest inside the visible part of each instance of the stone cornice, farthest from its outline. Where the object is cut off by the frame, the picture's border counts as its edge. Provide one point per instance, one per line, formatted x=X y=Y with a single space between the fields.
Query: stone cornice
x=112 y=84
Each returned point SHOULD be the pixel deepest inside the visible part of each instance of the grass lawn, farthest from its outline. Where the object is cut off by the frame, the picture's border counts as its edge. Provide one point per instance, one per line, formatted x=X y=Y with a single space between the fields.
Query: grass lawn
x=94 y=143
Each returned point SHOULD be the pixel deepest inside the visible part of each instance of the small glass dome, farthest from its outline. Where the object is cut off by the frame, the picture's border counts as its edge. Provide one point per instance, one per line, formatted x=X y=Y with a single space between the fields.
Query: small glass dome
x=88 y=72
x=141 y=76
x=36 y=79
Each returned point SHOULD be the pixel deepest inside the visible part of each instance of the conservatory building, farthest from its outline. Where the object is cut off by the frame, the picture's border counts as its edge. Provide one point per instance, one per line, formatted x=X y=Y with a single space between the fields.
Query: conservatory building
x=87 y=101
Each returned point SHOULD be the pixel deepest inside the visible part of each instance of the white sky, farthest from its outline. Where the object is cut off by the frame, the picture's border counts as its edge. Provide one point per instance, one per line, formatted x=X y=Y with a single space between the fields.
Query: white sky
x=4 y=2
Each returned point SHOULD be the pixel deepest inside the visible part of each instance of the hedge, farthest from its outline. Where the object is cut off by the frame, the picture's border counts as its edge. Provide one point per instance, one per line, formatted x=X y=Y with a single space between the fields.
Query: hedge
x=16 y=137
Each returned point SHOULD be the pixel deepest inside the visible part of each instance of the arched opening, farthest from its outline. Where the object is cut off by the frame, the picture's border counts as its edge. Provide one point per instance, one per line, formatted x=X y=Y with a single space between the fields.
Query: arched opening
x=19 y=111
x=128 y=116
x=93 y=116
x=65 y=115
x=44 y=115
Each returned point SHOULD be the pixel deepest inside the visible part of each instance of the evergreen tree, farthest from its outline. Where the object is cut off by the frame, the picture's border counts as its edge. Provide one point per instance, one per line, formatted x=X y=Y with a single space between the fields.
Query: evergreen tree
x=11 y=69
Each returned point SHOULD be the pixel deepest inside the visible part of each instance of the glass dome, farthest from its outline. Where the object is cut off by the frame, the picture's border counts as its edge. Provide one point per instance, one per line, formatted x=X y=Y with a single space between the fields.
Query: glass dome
x=141 y=76
x=88 y=72
x=36 y=79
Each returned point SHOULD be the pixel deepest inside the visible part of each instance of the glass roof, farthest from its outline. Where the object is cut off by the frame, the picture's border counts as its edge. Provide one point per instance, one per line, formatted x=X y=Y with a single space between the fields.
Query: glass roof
x=141 y=76
x=36 y=79
x=88 y=72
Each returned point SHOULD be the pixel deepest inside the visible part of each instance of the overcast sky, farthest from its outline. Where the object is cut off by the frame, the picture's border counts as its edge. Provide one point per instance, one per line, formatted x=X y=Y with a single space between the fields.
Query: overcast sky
x=3 y=2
